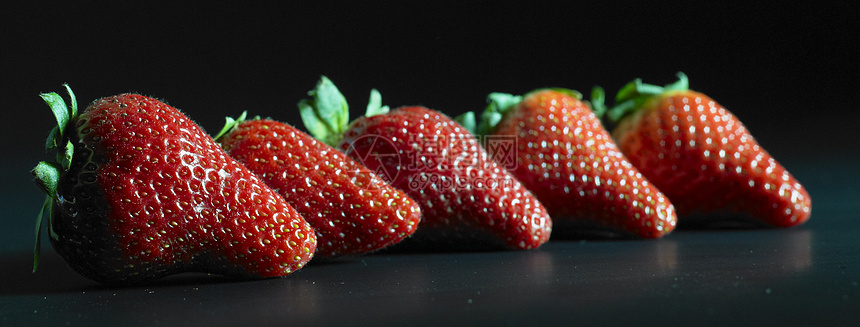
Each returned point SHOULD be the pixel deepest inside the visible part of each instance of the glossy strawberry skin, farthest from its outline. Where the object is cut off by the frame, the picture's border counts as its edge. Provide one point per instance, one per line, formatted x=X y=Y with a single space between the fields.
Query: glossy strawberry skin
x=463 y=194
x=706 y=161
x=570 y=162
x=149 y=194
x=351 y=209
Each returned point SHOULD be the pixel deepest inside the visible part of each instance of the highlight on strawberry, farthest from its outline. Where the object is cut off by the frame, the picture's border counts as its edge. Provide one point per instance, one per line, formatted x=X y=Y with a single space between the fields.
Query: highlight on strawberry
x=352 y=210
x=138 y=191
x=702 y=157
x=566 y=158
x=467 y=200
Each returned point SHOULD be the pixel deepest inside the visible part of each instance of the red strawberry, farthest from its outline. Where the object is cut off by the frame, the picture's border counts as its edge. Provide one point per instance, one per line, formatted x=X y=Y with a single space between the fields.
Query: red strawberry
x=139 y=191
x=351 y=209
x=702 y=156
x=464 y=195
x=569 y=161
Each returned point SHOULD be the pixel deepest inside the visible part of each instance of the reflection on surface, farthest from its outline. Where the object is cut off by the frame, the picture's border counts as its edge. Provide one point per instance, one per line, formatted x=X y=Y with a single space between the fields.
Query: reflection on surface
x=728 y=263
x=581 y=278
x=798 y=244
x=666 y=256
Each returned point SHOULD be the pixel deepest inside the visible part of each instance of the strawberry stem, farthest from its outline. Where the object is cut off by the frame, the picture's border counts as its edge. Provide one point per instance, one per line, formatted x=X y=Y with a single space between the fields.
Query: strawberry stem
x=47 y=173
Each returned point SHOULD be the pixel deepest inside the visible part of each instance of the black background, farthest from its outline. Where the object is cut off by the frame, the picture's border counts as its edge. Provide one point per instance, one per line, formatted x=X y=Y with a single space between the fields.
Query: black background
x=788 y=72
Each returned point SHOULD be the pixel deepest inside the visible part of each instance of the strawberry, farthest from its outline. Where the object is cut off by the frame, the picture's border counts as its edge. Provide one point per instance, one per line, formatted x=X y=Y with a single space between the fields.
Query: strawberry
x=139 y=191
x=703 y=157
x=569 y=161
x=351 y=209
x=466 y=198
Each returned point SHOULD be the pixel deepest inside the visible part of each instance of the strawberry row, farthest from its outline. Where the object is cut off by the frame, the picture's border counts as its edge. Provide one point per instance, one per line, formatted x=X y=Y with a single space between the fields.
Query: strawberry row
x=138 y=191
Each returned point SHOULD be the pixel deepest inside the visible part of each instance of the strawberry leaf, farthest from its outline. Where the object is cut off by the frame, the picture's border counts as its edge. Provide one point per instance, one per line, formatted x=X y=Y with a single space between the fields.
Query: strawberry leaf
x=499 y=104
x=313 y=123
x=627 y=91
x=632 y=96
x=63 y=114
x=468 y=121
x=46 y=208
x=60 y=110
x=47 y=173
x=374 y=105
x=648 y=89
x=621 y=110
x=47 y=176
x=682 y=84
x=326 y=114
x=72 y=100
x=65 y=157
x=231 y=123
x=572 y=93
x=53 y=137
x=598 y=101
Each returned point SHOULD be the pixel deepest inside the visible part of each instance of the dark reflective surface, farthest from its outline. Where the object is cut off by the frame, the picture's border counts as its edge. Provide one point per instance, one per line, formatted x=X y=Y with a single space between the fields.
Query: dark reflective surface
x=807 y=275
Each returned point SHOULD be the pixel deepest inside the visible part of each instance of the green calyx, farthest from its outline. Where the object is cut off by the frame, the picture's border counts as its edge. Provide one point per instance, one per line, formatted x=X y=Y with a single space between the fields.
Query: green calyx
x=326 y=113
x=498 y=105
x=47 y=173
x=598 y=101
x=632 y=96
x=231 y=123
x=468 y=121
x=374 y=105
